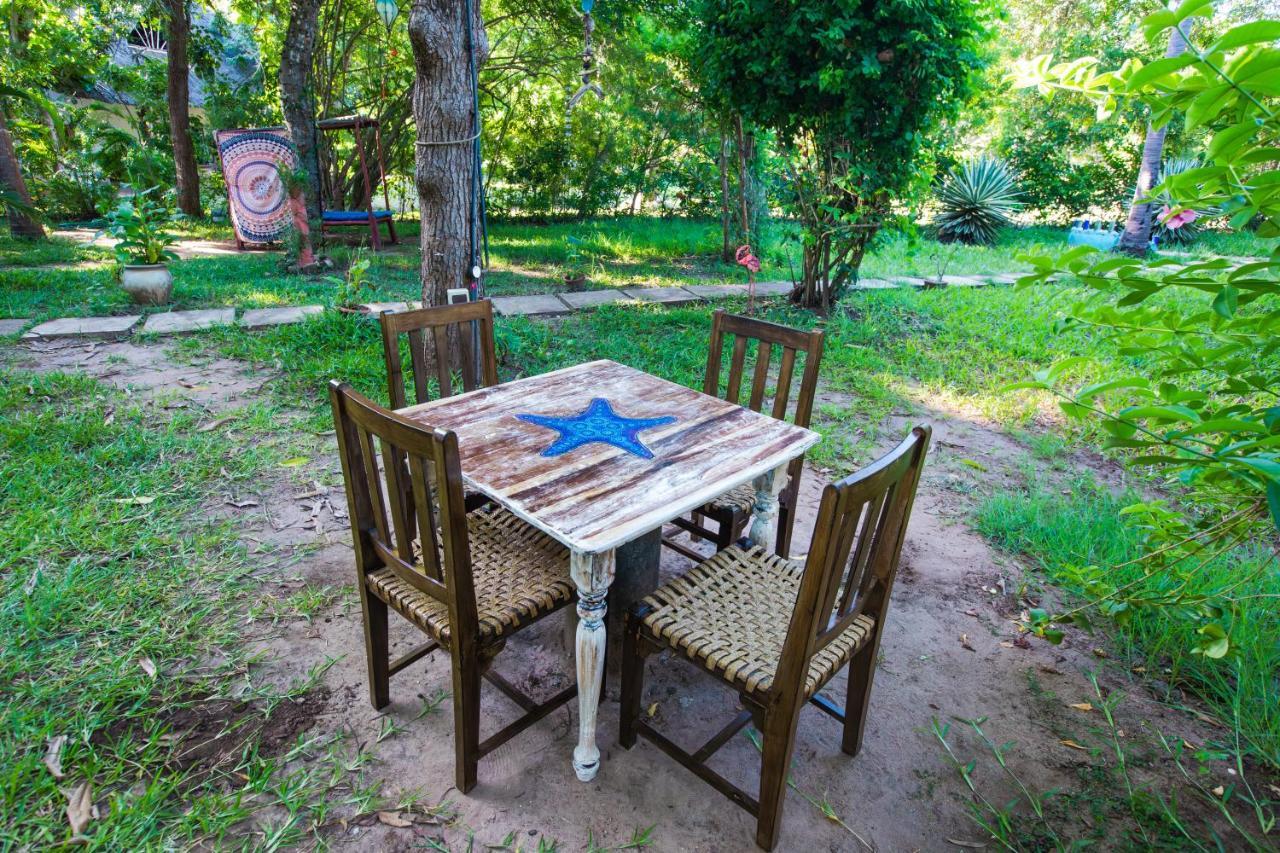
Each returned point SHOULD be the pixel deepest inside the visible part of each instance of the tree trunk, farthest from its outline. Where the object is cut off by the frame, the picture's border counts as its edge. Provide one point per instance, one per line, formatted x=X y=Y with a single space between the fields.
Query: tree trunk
x=184 y=152
x=21 y=224
x=726 y=219
x=1137 y=228
x=297 y=95
x=443 y=103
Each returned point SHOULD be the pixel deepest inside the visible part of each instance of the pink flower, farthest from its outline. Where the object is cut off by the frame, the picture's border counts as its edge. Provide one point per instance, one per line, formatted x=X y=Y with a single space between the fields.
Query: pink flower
x=1174 y=221
x=746 y=259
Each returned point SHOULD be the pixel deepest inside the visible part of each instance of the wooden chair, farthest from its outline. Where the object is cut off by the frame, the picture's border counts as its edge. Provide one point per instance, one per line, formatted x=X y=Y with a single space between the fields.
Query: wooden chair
x=730 y=512
x=728 y=617
x=440 y=321
x=473 y=580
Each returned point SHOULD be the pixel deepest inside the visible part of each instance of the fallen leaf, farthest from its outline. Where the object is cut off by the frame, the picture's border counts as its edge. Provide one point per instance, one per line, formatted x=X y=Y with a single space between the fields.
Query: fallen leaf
x=964 y=641
x=1101 y=653
x=1006 y=644
x=974 y=464
x=1081 y=706
x=1188 y=745
x=212 y=425
x=1138 y=669
x=971 y=612
x=110 y=418
x=653 y=709
x=1219 y=791
x=1022 y=642
x=148 y=666
x=30 y=586
x=1273 y=789
x=79 y=807
x=973 y=845
x=393 y=819
x=138 y=500
x=240 y=504
x=294 y=462
x=53 y=755
x=1051 y=670
x=1073 y=744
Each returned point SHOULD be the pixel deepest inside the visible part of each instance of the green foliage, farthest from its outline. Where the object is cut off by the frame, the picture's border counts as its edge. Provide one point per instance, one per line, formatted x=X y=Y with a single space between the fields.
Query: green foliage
x=139 y=222
x=1187 y=233
x=355 y=287
x=975 y=201
x=855 y=90
x=1199 y=405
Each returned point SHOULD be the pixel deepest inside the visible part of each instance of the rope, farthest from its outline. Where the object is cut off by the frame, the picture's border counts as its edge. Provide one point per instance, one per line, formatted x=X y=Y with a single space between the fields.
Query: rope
x=472 y=138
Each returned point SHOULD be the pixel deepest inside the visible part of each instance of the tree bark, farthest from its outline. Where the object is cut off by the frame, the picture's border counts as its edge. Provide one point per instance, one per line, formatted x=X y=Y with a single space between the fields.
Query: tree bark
x=184 y=152
x=21 y=224
x=297 y=93
x=1137 y=228
x=726 y=219
x=443 y=108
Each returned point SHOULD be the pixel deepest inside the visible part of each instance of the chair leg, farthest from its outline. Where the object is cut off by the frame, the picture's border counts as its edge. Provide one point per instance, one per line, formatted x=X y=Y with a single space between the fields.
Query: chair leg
x=862 y=670
x=466 y=721
x=779 y=740
x=785 y=522
x=632 y=681
x=376 y=648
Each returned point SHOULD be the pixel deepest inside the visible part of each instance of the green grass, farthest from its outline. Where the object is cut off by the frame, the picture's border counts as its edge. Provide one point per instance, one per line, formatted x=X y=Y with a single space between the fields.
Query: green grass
x=15 y=252
x=112 y=565
x=1057 y=532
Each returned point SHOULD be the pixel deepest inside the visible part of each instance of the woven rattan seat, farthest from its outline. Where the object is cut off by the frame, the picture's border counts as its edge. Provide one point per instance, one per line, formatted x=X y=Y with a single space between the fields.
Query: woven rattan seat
x=739 y=500
x=519 y=577
x=730 y=615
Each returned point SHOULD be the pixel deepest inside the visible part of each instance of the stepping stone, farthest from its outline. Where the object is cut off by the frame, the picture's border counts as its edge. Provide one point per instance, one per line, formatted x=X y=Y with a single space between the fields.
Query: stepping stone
x=716 y=291
x=591 y=298
x=907 y=281
x=773 y=288
x=874 y=284
x=85 y=327
x=661 y=295
x=261 y=318
x=1003 y=278
x=963 y=281
x=373 y=309
x=12 y=327
x=180 y=322
x=541 y=305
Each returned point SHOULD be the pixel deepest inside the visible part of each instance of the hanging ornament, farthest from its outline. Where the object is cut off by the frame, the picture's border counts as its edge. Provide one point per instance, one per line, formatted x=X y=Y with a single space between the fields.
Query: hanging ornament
x=387 y=11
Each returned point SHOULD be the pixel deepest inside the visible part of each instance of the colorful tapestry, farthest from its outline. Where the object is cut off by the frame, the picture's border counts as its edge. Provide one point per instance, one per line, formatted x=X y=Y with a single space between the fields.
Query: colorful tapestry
x=597 y=423
x=255 y=197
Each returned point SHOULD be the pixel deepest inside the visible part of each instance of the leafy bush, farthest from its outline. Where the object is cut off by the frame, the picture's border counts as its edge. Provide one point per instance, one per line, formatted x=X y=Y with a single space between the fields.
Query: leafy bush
x=138 y=223
x=976 y=201
x=1186 y=232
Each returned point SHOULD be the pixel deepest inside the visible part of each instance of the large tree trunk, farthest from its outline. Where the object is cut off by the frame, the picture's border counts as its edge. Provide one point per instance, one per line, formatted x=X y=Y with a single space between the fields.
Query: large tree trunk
x=1137 y=228
x=297 y=95
x=443 y=108
x=21 y=224
x=184 y=152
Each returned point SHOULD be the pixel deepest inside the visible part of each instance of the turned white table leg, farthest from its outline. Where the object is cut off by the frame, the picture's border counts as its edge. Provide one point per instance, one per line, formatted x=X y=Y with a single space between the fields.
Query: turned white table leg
x=764 y=514
x=592 y=574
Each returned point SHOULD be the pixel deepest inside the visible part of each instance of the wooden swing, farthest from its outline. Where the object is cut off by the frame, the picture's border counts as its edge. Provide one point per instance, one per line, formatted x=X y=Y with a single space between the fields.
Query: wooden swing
x=368 y=216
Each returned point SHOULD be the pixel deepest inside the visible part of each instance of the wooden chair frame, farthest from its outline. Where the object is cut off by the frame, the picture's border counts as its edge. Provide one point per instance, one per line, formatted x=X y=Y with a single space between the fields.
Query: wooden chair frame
x=849 y=573
x=440 y=322
x=383 y=539
x=729 y=522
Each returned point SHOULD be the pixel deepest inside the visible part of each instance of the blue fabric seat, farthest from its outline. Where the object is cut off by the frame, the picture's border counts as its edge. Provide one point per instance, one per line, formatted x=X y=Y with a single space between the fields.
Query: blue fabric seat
x=353 y=215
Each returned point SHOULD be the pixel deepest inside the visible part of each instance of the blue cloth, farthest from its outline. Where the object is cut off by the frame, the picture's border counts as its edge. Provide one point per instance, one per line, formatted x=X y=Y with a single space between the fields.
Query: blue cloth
x=597 y=423
x=353 y=215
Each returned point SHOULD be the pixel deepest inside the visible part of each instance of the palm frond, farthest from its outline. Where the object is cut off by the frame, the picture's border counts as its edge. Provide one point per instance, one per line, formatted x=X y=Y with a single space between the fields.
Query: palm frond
x=976 y=200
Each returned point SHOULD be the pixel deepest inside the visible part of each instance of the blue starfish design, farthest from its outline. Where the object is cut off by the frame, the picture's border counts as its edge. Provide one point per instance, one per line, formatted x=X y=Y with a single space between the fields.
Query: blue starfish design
x=597 y=423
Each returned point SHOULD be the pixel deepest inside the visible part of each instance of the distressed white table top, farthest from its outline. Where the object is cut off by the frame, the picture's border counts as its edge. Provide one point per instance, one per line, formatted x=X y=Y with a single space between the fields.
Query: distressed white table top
x=598 y=496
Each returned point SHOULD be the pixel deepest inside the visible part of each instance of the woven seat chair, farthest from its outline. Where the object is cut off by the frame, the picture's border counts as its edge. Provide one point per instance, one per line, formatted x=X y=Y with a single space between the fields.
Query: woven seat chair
x=473 y=580
x=729 y=617
x=730 y=512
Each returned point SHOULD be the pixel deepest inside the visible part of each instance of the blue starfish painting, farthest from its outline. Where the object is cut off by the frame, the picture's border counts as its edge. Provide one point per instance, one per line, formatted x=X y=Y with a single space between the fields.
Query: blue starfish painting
x=597 y=423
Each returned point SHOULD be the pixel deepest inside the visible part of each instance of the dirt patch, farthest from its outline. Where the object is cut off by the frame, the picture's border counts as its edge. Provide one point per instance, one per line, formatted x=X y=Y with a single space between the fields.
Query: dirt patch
x=950 y=649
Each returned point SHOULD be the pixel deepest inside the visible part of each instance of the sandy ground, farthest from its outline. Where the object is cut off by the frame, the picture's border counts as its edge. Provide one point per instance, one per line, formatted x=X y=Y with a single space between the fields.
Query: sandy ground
x=949 y=650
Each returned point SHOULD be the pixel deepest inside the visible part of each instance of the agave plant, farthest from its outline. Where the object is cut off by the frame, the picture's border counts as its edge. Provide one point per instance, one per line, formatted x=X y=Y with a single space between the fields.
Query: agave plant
x=976 y=200
x=1181 y=230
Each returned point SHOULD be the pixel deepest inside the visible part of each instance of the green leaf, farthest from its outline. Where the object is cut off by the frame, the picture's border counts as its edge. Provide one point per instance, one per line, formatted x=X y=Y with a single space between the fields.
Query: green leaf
x=1273 y=501
x=1153 y=71
x=1226 y=302
x=1251 y=33
x=1213 y=642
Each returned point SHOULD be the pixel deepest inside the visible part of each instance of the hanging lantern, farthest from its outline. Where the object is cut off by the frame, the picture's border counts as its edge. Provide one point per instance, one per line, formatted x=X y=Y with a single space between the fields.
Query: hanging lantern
x=387 y=10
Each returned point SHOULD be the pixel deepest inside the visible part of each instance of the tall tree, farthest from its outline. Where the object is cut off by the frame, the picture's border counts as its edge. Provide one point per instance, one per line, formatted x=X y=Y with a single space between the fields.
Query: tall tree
x=297 y=92
x=179 y=96
x=16 y=200
x=441 y=32
x=1137 y=228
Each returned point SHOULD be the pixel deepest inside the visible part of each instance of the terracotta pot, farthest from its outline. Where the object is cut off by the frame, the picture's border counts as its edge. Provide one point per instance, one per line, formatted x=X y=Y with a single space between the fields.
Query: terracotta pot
x=147 y=284
x=934 y=282
x=575 y=283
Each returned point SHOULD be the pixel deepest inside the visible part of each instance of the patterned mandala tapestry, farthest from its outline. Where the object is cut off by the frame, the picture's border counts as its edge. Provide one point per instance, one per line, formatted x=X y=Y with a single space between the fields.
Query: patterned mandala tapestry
x=255 y=196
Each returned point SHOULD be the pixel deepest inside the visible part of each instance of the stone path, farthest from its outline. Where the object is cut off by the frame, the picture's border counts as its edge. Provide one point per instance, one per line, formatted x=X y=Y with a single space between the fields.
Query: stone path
x=535 y=305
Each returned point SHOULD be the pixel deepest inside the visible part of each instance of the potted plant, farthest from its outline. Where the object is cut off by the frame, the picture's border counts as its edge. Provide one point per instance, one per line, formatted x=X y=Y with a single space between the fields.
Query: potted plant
x=138 y=223
x=579 y=263
x=941 y=257
x=294 y=180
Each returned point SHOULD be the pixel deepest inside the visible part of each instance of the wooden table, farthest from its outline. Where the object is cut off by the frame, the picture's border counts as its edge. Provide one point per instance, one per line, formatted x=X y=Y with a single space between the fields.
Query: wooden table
x=598 y=496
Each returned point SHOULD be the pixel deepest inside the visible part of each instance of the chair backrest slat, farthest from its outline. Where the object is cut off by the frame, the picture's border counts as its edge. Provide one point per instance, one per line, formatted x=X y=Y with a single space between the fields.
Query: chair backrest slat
x=415 y=460
x=767 y=336
x=429 y=331
x=853 y=560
